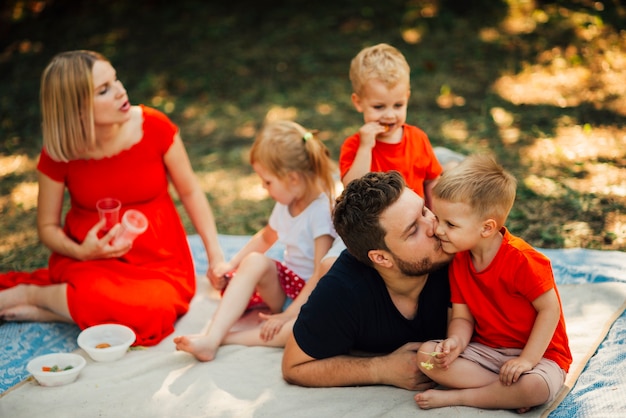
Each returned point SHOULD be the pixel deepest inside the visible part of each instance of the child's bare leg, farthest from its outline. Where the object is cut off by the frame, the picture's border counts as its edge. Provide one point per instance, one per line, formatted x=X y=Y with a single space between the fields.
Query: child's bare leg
x=256 y=271
x=252 y=337
x=530 y=390
x=27 y=302
x=462 y=373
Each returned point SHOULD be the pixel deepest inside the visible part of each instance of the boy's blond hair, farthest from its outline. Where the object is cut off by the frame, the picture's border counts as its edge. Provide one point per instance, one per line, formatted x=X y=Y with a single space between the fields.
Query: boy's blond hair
x=381 y=62
x=67 y=94
x=480 y=182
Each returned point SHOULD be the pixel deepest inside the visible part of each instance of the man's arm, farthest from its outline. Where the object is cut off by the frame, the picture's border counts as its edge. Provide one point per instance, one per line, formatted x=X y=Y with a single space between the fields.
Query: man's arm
x=395 y=369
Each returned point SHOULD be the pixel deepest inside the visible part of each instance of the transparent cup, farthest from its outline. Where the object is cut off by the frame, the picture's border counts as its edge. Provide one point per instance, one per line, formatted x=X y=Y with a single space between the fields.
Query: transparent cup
x=134 y=223
x=109 y=209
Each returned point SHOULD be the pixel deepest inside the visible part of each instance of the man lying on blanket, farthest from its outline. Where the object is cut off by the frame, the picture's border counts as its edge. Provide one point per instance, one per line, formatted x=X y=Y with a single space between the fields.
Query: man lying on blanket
x=395 y=264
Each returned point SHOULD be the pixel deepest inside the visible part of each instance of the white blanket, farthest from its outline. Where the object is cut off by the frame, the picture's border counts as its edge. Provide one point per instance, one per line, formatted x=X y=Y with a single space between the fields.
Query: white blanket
x=247 y=382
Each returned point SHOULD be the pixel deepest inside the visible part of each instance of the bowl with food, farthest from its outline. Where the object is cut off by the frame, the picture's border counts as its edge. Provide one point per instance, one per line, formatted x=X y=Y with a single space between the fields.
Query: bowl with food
x=106 y=342
x=56 y=369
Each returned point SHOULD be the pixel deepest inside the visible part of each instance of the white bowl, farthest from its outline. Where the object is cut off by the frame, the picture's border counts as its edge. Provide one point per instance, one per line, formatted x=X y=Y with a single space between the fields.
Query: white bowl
x=74 y=363
x=118 y=337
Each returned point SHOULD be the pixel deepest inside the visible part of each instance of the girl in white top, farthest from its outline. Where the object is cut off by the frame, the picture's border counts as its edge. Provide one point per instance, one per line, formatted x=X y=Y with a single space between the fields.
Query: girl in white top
x=296 y=170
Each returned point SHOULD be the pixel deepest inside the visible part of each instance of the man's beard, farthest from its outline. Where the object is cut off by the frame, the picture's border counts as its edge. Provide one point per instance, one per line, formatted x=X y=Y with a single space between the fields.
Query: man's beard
x=418 y=268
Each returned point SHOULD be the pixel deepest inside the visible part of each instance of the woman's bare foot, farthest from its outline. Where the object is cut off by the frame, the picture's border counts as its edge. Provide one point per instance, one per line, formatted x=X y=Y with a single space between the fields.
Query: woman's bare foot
x=31 y=313
x=13 y=297
x=198 y=345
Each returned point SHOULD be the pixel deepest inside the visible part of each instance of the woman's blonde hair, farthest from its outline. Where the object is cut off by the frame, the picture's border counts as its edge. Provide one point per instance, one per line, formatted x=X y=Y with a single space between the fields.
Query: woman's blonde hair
x=480 y=182
x=67 y=94
x=285 y=146
x=381 y=62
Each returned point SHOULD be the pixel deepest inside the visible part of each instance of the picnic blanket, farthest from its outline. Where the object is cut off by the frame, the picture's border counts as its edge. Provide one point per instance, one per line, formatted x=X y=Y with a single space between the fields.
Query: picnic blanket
x=247 y=381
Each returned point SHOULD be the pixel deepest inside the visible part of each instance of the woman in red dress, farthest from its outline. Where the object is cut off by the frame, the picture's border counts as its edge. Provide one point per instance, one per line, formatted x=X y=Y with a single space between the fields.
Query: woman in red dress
x=97 y=145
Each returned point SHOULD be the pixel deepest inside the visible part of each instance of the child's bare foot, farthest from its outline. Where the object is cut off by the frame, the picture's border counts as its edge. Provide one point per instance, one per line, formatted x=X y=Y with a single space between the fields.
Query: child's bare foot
x=433 y=398
x=198 y=345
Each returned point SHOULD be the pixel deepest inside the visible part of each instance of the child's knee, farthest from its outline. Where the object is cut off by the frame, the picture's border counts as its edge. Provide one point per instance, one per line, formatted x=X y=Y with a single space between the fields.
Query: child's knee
x=429 y=346
x=425 y=351
x=256 y=261
x=534 y=389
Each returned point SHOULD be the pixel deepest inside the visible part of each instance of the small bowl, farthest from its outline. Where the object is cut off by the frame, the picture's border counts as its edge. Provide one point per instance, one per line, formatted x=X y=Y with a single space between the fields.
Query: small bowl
x=74 y=363
x=118 y=337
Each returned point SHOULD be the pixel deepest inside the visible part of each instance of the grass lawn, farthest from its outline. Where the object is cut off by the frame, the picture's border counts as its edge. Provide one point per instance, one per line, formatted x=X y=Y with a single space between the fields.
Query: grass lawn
x=540 y=84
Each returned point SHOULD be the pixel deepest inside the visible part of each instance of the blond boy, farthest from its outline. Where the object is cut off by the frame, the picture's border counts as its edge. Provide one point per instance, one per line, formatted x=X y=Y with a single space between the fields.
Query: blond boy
x=381 y=88
x=380 y=77
x=507 y=347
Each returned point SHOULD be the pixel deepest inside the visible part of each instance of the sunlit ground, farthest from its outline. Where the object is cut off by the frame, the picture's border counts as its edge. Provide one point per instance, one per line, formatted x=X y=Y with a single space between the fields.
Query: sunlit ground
x=577 y=156
x=598 y=152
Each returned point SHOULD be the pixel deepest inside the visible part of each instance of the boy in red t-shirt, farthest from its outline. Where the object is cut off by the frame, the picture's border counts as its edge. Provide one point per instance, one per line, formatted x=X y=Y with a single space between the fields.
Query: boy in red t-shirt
x=507 y=347
x=380 y=77
x=381 y=88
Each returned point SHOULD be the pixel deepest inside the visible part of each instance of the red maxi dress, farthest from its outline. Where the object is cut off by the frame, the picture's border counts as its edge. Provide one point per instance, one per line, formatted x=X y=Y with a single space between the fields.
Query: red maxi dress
x=150 y=286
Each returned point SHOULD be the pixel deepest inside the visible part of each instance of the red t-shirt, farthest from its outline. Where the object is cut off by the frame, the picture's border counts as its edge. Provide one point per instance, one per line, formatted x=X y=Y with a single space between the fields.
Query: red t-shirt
x=500 y=297
x=413 y=157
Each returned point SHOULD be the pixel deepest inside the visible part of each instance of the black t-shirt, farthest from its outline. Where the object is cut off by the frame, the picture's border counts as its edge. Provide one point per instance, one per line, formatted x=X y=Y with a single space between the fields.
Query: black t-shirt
x=350 y=310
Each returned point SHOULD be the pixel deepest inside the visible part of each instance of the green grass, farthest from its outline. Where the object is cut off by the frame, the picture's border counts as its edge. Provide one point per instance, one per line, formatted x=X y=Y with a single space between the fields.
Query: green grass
x=530 y=85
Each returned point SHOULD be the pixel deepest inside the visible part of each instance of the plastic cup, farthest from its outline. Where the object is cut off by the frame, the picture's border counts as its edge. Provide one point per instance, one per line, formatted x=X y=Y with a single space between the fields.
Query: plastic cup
x=109 y=209
x=134 y=223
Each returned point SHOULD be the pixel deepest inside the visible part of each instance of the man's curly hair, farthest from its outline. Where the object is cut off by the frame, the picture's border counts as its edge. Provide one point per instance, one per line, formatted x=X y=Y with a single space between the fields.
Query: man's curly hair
x=357 y=212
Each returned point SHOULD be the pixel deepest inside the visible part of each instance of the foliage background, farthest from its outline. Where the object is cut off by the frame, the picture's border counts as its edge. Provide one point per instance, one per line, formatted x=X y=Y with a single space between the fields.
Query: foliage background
x=540 y=84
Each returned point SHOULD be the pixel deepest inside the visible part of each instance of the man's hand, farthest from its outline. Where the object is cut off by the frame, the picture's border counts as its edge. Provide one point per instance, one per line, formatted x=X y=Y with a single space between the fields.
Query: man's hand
x=400 y=369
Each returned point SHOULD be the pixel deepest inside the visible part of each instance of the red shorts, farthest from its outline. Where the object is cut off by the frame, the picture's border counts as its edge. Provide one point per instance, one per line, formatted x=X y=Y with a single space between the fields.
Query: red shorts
x=290 y=282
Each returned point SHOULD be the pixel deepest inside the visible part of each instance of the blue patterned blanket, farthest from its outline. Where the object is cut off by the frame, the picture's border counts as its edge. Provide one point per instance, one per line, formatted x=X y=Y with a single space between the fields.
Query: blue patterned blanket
x=599 y=391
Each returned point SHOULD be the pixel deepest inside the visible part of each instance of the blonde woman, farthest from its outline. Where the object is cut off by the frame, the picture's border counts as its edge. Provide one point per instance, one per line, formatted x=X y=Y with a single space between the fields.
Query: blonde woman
x=97 y=145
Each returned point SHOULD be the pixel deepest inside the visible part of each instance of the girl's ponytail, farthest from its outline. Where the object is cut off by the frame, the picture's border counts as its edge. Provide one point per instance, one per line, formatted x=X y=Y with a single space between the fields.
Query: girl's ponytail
x=321 y=164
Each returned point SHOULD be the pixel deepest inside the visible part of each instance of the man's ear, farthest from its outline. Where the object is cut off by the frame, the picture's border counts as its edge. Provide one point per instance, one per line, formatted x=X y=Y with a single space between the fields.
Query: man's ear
x=356 y=101
x=490 y=227
x=380 y=258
